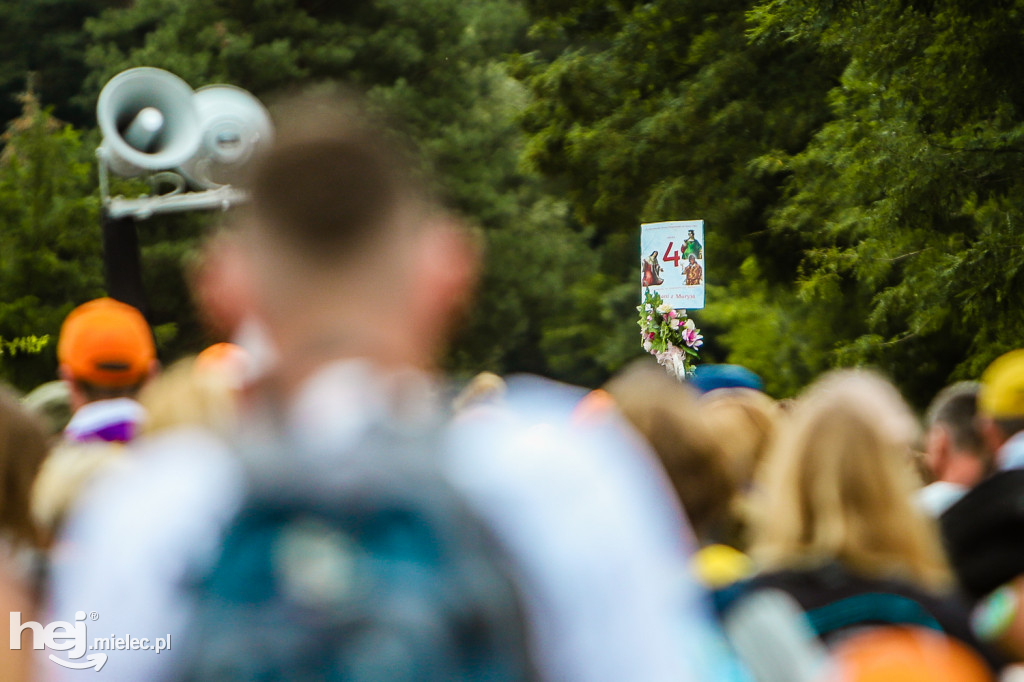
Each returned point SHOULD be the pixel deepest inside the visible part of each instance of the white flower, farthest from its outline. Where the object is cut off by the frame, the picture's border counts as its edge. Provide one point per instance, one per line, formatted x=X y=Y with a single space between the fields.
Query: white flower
x=647 y=346
x=689 y=326
x=664 y=308
x=674 y=324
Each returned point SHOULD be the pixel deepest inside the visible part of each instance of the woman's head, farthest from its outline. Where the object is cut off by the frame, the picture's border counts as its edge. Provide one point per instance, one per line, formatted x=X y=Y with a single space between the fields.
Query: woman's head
x=838 y=485
x=665 y=413
x=744 y=422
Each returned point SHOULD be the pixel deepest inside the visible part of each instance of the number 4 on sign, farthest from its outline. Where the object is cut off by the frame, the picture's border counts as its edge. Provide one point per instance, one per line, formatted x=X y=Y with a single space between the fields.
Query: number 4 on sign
x=674 y=258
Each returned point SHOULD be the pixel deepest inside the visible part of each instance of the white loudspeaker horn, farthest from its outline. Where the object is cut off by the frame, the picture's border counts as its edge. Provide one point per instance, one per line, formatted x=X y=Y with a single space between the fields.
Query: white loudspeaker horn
x=235 y=126
x=149 y=121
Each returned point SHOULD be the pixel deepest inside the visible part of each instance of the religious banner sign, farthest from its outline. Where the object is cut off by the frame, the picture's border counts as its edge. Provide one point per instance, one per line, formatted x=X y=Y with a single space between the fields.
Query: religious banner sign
x=672 y=262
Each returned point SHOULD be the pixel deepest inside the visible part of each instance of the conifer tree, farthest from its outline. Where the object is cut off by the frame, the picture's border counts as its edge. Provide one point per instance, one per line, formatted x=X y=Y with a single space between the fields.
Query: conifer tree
x=50 y=252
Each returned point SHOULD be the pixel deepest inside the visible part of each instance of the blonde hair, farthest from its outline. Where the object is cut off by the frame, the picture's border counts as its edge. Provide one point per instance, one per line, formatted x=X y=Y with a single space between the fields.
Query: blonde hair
x=190 y=394
x=744 y=422
x=665 y=413
x=838 y=486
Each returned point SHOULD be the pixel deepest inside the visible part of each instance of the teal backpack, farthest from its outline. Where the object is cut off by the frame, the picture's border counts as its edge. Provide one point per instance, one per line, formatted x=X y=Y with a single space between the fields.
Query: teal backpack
x=358 y=566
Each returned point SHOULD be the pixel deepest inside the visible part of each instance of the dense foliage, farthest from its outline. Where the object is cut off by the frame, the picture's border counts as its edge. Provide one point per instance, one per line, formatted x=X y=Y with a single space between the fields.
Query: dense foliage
x=438 y=68
x=855 y=163
x=912 y=194
x=50 y=235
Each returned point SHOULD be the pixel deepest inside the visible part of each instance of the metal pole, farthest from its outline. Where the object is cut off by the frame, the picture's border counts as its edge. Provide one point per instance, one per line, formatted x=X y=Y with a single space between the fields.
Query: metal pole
x=122 y=260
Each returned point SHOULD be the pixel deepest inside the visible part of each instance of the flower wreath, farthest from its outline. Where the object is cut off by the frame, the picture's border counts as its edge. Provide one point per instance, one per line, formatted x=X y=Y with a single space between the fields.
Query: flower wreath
x=669 y=335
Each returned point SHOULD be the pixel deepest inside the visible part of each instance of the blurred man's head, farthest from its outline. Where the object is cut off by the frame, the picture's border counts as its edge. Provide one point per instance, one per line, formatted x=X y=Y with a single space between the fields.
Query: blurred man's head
x=955 y=451
x=341 y=250
x=1001 y=399
x=105 y=351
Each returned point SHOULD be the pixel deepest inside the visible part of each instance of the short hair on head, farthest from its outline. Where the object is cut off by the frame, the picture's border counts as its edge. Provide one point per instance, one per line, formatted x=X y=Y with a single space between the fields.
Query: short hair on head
x=93 y=393
x=332 y=180
x=956 y=407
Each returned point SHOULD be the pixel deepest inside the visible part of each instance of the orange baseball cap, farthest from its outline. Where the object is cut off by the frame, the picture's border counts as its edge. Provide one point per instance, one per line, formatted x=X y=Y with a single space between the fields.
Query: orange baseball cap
x=106 y=343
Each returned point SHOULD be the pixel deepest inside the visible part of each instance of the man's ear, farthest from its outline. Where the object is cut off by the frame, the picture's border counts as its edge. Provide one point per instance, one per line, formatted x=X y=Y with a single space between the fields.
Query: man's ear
x=154 y=369
x=222 y=286
x=448 y=264
x=937 y=450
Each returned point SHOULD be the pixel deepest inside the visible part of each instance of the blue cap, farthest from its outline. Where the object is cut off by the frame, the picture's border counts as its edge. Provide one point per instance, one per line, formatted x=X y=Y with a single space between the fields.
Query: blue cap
x=709 y=377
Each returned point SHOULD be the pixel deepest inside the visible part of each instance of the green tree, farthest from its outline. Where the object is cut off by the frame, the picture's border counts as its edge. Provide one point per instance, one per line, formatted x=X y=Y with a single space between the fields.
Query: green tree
x=49 y=235
x=665 y=110
x=45 y=38
x=910 y=197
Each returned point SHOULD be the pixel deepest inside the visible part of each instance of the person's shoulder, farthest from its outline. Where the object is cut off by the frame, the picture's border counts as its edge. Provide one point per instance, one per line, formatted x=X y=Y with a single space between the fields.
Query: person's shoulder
x=160 y=478
x=938 y=496
x=538 y=428
x=65 y=475
x=999 y=495
x=817 y=586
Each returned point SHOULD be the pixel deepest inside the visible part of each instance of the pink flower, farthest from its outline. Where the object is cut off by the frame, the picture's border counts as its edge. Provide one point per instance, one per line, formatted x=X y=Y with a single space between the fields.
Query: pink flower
x=692 y=338
x=650 y=335
x=671 y=314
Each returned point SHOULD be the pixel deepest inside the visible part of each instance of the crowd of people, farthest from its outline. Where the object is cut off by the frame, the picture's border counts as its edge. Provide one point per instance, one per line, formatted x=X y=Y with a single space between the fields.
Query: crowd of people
x=313 y=501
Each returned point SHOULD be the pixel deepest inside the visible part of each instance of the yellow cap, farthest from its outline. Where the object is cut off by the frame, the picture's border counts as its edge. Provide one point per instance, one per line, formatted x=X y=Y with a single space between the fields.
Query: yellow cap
x=718 y=566
x=1002 y=387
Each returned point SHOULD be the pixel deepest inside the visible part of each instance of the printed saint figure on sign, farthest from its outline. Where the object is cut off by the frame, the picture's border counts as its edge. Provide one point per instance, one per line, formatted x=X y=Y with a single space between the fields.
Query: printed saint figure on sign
x=693 y=271
x=692 y=247
x=651 y=275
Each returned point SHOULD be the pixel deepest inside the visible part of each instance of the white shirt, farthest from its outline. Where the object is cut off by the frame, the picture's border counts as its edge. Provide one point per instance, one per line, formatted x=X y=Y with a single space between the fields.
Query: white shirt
x=1011 y=454
x=935 y=498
